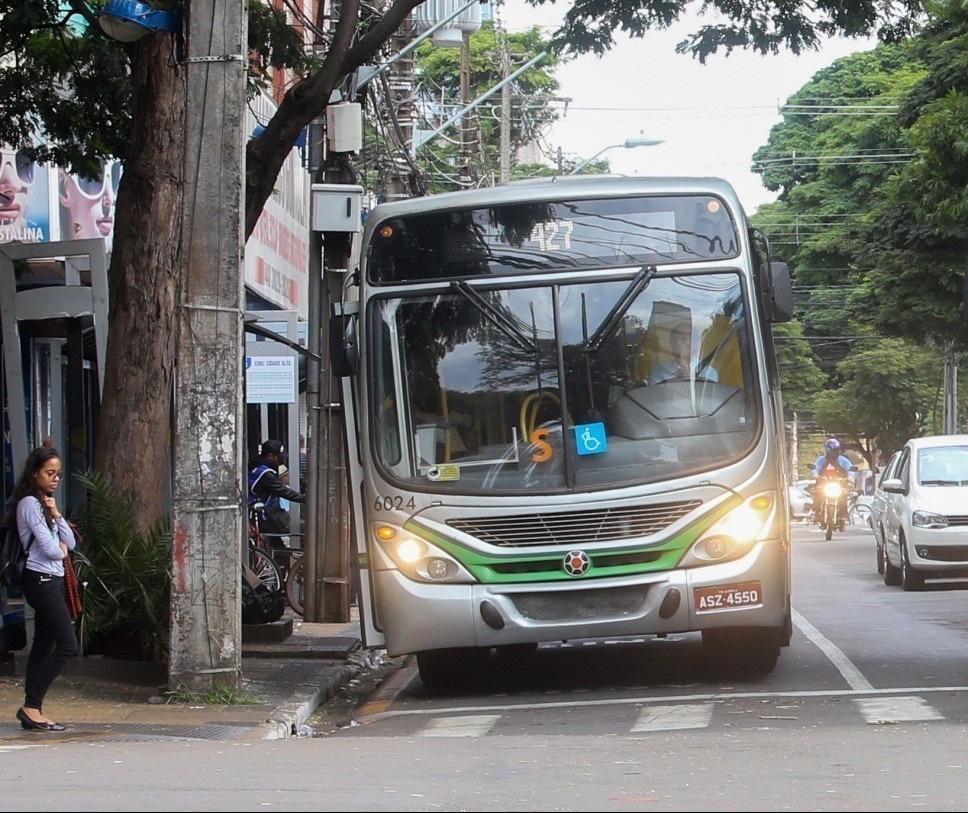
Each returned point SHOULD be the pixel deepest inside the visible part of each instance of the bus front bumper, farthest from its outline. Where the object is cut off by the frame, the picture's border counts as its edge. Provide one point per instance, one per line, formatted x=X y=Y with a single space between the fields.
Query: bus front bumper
x=749 y=592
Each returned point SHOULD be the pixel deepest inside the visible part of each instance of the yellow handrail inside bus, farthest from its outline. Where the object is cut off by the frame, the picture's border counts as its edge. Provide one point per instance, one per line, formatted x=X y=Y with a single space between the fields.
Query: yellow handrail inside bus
x=528 y=415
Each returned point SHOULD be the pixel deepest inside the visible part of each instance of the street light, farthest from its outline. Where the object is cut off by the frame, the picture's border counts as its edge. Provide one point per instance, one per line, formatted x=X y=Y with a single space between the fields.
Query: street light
x=632 y=141
x=130 y=20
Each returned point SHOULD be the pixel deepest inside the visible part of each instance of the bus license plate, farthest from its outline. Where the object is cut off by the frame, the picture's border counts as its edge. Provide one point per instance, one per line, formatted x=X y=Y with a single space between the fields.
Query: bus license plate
x=727 y=597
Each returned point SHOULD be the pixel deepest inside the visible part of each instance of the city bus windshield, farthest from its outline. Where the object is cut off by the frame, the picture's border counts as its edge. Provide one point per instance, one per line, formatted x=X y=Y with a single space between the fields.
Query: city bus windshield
x=576 y=385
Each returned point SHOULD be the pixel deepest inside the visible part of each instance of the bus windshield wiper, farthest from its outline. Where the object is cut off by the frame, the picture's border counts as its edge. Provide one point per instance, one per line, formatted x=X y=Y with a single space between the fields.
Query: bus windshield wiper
x=612 y=318
x=497 y=317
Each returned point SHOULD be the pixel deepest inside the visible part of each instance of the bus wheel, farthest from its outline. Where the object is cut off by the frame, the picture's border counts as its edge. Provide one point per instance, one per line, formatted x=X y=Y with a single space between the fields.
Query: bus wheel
x=735 y=651
x=448 y=669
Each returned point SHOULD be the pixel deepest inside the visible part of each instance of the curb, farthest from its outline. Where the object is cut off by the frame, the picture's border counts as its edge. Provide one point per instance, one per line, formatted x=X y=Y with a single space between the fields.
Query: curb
x=289 y=717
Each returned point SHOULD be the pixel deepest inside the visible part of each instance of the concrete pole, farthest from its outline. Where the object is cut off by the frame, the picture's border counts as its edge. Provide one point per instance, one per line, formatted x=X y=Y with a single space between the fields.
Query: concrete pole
x=208 y=527
x=466 y=132
x=400 y=140
x=333 y=546
x=313 y=456
x=950 y=390
x=505 y=168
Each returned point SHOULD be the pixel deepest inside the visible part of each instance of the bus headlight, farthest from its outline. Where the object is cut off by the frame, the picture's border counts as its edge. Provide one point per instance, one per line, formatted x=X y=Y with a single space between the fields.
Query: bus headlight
x=735 y=534
x=419 y=559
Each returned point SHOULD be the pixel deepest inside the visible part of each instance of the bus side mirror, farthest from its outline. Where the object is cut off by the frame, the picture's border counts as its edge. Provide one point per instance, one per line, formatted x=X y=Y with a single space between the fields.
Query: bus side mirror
x=776 y=291
x=344 y=354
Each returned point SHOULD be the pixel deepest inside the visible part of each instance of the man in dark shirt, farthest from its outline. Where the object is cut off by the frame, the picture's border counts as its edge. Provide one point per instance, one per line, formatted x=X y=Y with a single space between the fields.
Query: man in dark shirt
x=265 y=487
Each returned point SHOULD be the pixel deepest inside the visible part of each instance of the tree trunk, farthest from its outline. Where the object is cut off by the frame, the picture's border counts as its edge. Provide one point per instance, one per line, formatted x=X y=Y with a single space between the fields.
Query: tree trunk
x=134 y=431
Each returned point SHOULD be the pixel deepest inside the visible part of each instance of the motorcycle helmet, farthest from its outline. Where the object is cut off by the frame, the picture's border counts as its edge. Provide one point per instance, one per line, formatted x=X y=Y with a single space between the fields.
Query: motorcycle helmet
x=832 y=445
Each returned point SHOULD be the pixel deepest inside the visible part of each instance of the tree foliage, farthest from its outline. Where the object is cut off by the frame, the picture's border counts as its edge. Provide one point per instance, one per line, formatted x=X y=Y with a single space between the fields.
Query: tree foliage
x=915 y=239
x=438 y=88
x=871 y=219
x=890 y=393
x=590 y=26
x=800 y=374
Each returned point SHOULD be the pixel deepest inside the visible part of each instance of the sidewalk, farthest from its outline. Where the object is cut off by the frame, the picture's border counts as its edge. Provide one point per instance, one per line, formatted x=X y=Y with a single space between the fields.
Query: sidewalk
x=289 y=677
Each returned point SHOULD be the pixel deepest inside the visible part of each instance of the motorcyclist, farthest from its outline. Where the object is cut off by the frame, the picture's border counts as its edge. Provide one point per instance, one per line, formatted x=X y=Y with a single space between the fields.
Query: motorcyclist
x=832 y=463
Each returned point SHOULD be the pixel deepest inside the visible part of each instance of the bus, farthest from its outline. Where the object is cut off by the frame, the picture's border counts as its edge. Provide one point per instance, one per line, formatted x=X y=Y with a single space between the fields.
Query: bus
x=564 y=421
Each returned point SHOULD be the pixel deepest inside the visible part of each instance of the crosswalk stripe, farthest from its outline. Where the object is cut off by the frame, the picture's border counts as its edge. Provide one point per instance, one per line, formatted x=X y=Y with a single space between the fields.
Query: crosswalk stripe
x=464 y=726
x=669 y=718
x=879 y=710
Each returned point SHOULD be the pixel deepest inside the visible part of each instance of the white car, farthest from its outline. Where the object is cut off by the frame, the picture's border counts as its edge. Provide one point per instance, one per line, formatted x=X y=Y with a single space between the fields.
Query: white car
x=860 y=511
x=801 y=503
x=879 y=509
x=926 y=513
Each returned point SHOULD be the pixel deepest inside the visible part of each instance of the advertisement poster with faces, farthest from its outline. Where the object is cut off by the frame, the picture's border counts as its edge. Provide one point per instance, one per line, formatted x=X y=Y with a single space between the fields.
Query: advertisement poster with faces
x=39 y=203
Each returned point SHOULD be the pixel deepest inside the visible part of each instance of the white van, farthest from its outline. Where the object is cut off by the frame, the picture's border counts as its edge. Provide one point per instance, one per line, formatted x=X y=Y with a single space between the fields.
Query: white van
x=926 y=512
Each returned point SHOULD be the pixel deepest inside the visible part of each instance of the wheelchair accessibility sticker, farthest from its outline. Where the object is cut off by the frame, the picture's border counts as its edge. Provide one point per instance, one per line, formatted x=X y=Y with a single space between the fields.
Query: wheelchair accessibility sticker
x=590 y=438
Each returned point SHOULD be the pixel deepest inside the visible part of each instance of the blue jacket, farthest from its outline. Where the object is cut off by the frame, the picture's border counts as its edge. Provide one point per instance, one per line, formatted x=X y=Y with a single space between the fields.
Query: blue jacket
x=841 y=462
x=266 y=487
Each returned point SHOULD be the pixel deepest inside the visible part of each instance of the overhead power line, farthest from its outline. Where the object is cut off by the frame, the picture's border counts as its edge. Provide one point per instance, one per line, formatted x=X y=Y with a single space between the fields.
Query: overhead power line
x=860 y=158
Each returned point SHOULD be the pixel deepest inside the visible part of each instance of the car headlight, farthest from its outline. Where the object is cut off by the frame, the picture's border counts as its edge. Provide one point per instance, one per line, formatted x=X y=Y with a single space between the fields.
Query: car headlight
x=417 y=558
x=734 y=535
x=925 y=519
x=832 y=489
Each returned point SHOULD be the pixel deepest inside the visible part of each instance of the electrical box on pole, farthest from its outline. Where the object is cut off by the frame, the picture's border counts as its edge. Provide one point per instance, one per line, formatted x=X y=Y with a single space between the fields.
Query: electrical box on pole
x=336 y=207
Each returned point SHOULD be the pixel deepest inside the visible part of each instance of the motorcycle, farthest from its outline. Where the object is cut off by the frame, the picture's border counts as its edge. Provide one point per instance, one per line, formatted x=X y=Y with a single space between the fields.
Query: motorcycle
x=832 y=510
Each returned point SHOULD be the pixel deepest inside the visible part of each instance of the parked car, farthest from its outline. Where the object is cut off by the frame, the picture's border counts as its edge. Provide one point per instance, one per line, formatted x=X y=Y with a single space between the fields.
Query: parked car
x=878 y=509
x=926 y=516
x=800 y=500
x=860 y=509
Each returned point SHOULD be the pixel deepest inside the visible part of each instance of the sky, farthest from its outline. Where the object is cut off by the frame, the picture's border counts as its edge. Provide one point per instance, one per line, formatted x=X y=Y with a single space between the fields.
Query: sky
x=711 y=118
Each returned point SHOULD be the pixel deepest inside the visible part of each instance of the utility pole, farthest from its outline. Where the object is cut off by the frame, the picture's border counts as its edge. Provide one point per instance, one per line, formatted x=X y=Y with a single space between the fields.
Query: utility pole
x=207 y=533
x=328 y=549
x=950 y=390
x=400 y=104
x=465 y=173
x=505 y=168
x=333 y=546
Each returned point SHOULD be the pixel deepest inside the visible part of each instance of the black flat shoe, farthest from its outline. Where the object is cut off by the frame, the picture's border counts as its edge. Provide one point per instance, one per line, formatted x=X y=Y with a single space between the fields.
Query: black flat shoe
x=33 y=725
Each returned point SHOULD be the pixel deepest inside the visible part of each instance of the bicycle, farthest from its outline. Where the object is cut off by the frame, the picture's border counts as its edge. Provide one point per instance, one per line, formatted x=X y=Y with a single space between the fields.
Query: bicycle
x=295 y=583
x=260 y=559
x=291 y=565
x=285 y=561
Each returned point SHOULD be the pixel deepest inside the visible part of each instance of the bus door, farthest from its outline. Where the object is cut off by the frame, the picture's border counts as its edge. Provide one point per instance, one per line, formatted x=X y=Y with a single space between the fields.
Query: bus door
x=343 y=352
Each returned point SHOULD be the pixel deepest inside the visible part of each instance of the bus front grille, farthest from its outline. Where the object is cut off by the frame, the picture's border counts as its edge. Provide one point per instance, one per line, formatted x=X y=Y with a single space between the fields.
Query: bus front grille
x=582 y=605
x=574 y=528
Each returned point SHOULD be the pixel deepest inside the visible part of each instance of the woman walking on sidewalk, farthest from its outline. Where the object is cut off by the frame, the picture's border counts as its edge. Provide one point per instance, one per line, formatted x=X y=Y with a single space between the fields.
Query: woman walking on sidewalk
x=51 y=539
